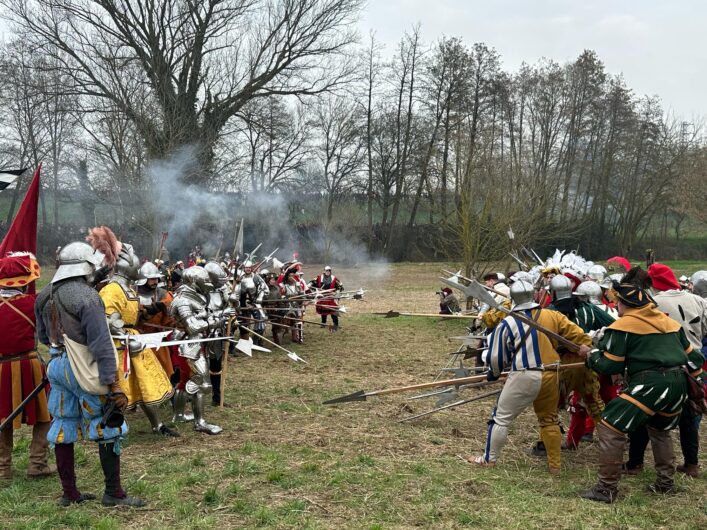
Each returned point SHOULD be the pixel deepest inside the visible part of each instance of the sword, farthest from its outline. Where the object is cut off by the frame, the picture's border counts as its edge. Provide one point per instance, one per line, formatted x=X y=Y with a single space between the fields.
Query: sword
x=22 y=405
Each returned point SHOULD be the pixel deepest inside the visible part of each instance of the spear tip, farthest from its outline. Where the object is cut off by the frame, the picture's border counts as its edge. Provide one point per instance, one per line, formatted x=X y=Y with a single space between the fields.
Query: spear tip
x=356 y=396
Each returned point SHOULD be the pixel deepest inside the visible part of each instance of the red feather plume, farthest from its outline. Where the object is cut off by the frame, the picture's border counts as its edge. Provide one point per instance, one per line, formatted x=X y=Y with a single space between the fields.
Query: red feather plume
x=102 y=239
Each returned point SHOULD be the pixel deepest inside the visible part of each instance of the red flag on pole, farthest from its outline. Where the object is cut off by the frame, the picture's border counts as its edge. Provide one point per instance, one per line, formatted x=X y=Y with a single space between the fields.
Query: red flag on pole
x=22 y=234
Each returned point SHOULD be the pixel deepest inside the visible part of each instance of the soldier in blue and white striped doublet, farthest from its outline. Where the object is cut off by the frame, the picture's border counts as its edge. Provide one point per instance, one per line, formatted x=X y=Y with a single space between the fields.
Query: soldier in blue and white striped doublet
x=524 y=350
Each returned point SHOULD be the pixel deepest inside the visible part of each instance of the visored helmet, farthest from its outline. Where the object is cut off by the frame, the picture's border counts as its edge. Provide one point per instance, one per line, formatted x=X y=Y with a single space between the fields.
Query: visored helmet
x=216 y=273
x=197 y=278
x=128 y=264
x=77 y=259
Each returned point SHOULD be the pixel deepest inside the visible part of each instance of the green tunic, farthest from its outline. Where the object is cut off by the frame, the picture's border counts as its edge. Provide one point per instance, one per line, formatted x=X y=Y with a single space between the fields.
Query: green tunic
x=657 y=385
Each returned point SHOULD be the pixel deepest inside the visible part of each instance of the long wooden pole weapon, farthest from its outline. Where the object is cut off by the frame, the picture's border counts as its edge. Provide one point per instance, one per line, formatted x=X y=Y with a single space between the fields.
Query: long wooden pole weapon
x=394 y=314
x=292 y=355
x=460 y=286
x=451 y=405
x=361 y=395
x=480 y=293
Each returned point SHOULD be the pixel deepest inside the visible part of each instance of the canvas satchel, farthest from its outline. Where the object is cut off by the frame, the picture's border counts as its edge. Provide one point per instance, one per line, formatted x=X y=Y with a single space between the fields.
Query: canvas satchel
x=83 y=362
x=85 y=368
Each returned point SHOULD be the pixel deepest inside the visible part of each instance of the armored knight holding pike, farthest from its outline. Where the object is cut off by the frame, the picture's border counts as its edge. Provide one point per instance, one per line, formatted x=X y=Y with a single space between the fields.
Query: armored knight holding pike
x=190 y=308
x=250 y=291
x=221 y=300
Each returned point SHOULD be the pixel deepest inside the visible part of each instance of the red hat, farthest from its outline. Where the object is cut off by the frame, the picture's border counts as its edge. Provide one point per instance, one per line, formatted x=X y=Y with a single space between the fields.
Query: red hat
x=447 y=290
x=18 y=270
x=662 y=277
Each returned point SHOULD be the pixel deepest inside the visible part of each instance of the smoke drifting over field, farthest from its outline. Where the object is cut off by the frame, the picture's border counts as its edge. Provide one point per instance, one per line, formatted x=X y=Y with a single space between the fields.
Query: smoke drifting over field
x=194 y=216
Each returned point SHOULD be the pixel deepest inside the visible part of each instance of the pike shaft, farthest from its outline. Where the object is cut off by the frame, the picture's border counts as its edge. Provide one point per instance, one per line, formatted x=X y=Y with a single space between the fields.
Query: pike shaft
x=461 y=380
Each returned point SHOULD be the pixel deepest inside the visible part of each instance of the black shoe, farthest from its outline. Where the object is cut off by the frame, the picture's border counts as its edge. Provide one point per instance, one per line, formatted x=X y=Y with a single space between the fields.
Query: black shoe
x=133 y=502
x=83 y=497
x=600 y=493
x=167 y=432
x=635 y=470
x=662 y=489
x=538 y=450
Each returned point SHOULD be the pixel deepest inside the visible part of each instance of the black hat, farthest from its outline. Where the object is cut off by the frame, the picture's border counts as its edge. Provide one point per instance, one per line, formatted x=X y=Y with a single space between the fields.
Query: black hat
x=631 y=295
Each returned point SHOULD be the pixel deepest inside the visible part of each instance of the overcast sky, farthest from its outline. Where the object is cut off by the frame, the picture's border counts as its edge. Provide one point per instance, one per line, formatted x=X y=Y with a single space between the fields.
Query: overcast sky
x=659 y=45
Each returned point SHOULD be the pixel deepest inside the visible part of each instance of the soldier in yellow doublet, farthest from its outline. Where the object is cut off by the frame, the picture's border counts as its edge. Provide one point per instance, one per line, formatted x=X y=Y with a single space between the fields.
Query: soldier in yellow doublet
x=147 y=384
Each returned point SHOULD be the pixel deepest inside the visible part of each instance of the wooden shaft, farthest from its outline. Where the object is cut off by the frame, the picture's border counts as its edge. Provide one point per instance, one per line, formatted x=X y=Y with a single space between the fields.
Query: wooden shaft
x=571 y=346
x=459 y=381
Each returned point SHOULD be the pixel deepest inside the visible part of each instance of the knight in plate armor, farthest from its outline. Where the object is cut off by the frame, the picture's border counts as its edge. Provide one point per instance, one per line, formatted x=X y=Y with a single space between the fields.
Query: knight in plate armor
x=190 y=308
x=250 y=291
x=221 y=299
x=291 y=289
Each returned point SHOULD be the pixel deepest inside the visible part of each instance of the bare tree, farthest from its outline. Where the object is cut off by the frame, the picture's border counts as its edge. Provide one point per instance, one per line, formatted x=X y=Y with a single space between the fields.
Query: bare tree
x=202 y=61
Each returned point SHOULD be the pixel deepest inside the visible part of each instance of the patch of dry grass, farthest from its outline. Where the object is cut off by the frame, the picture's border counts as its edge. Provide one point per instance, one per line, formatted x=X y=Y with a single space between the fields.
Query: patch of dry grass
x=286 y=461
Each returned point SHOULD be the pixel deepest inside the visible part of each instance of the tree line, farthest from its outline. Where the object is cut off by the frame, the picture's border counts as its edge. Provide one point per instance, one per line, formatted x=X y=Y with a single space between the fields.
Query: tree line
x=282 y=97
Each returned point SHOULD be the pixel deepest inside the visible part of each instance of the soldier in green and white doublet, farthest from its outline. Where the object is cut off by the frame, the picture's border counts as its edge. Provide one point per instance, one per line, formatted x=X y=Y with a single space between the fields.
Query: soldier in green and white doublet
x=653 y=351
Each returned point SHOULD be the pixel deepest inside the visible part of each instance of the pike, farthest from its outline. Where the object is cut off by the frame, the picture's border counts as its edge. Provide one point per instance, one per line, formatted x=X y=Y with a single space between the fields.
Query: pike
x=362 y=395
x=224 y=362
x=486 y=298
x=263 y=261
x=451 y=405
x=394 y=314
x=292 y=355
x=523 y=264
x=331 y=309
x=285 y=325
x=151 y=341
x=465 y=288
x=162 y=242
x=462 y=387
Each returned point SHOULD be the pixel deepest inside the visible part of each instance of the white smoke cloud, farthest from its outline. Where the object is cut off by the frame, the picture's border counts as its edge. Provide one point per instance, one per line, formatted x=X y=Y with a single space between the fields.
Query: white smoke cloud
x=195 y=216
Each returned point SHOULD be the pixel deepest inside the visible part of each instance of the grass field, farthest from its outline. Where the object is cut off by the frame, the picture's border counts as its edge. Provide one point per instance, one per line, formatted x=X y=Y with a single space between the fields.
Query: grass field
x=286 y=461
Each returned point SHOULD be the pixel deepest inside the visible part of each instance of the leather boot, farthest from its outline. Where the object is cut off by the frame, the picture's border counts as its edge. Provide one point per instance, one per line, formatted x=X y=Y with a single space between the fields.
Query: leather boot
x=691 y=470
x=38 y=451
x=664 y=458
x=6 y=453
x=114 y=494
x=611 y=449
